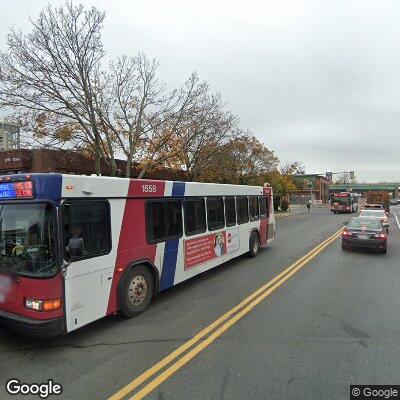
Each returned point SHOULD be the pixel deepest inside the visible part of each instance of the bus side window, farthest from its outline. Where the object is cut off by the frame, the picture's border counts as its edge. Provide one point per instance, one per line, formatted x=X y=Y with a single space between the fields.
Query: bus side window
x=263 y=207
x=242 y=209
x=253 y=208
x=173 y=218
x=101 y=227
x=156 y=231
x=215 y=213
x=230 y=211
x=65 y=221
x=195 y=216
x=163 y=220
x=89 y=221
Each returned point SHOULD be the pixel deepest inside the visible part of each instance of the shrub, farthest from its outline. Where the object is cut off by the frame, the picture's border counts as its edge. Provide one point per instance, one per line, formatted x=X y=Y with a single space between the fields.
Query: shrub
x=276 y=203
x=284 y=205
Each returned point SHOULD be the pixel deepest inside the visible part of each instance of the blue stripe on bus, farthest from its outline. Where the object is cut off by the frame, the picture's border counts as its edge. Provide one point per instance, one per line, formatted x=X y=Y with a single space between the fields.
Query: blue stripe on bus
x=171 y=247
x=169 y=264
x=178 y=189
x=48 y=186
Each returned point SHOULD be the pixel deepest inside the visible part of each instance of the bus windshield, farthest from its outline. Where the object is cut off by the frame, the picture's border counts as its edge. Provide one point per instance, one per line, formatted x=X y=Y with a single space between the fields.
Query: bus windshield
x=27 y=245
x=341 y=200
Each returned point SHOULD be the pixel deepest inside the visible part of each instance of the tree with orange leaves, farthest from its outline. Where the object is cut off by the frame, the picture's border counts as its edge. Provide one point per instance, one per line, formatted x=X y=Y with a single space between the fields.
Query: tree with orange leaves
x=245 y=160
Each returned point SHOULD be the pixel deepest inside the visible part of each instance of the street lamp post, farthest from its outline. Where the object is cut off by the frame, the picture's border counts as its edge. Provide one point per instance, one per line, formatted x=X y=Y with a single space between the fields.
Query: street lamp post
x=310 y=186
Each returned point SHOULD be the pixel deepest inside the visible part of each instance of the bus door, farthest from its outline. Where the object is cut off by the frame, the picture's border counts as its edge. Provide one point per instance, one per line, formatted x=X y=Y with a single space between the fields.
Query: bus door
x=270 y=220
x=89 y=259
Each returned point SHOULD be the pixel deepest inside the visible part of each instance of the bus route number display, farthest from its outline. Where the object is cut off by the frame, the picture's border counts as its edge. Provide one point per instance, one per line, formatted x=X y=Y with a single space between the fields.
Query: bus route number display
x=16 y=190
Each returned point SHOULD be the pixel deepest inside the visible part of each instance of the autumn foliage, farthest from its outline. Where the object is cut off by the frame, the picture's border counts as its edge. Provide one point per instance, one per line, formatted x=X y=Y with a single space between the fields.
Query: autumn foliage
x=67 y=95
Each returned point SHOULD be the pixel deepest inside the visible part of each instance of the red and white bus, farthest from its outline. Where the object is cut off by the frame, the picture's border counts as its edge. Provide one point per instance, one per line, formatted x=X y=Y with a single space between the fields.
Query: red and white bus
x=344 y=202
x=74 y=249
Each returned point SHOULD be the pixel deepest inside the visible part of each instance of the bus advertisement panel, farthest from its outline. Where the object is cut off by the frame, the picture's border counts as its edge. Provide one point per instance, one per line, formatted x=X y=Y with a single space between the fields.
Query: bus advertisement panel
x=206 y=248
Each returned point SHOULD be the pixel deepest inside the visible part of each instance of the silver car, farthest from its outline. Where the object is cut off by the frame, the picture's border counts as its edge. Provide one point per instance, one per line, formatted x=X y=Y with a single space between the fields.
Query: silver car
x=378 y=214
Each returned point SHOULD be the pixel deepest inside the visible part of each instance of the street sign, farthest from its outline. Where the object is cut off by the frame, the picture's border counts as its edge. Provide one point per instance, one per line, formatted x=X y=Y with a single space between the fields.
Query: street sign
x=328 y=176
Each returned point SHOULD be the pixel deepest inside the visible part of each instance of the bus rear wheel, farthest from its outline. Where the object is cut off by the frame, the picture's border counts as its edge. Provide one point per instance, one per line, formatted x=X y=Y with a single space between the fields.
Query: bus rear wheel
x=136 y=291
x=254 y=245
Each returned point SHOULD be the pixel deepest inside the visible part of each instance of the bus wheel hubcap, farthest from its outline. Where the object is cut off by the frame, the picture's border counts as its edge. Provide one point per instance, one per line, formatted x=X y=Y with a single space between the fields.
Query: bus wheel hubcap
x=137 y=290
x=255 y=246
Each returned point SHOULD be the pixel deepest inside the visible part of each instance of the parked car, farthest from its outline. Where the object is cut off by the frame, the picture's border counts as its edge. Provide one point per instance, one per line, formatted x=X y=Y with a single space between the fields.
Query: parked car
x=363 y=232
x=379 y=214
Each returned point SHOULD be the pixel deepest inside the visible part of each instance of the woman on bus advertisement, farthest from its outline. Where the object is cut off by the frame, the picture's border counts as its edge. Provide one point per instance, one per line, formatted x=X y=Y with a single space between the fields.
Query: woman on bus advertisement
x=219 y=246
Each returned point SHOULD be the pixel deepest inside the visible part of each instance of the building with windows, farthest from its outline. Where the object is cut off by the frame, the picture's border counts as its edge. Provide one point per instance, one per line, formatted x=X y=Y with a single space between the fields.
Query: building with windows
x=10 y=136
x=314 y=187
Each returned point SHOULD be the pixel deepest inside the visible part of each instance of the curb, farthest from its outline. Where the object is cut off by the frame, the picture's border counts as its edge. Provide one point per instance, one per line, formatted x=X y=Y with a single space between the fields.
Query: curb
x=290 y=214
x=280 y=215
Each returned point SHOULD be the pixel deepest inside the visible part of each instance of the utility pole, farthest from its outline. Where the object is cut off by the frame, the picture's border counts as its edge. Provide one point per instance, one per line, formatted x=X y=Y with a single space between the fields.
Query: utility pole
x=310 y=186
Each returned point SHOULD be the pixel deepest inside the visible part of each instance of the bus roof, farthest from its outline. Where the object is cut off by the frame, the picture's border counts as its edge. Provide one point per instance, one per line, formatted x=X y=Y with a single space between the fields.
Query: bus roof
x=53 y=186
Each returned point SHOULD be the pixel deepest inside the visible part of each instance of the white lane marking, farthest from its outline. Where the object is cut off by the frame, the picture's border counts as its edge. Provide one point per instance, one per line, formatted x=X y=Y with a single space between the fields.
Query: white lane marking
x=397 y=220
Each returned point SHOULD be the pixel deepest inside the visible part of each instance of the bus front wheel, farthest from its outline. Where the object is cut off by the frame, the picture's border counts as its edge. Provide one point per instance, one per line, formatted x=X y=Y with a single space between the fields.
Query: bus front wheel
x=254 y=245
x=136 y=291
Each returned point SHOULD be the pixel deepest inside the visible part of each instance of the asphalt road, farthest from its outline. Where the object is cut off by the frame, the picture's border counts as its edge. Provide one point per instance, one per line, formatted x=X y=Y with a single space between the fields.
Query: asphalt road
x=334 y=323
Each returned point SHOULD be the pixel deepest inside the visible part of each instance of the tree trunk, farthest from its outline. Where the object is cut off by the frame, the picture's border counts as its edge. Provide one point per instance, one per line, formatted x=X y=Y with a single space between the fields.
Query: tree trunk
x=142 y=173
x=113 y=166
x=97 y=154
x=98 y=165
x=128 y=167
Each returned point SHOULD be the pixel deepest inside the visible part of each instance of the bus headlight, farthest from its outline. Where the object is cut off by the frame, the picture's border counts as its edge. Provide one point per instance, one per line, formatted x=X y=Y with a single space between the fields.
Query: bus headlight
x=42 y=305
x=35 y=305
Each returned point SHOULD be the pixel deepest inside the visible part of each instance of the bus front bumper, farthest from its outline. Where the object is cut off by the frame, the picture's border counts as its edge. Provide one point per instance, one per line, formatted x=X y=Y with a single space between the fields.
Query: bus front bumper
x=341 y=210
x=35 y=328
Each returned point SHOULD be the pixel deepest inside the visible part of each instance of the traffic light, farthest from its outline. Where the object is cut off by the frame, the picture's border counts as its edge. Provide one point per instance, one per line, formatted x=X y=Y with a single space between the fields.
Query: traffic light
x=351 y=174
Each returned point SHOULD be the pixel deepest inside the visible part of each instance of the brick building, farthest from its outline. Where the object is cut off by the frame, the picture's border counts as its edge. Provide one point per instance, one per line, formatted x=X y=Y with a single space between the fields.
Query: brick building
x=67 y=162
x=314 y=187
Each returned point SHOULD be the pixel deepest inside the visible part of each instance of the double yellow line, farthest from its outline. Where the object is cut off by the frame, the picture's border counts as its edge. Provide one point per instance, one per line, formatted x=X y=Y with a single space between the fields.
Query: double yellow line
x=214 y=330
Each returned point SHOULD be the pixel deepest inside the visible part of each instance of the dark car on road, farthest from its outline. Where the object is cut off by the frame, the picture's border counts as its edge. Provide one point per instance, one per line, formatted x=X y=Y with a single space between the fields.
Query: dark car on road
x=363 y=232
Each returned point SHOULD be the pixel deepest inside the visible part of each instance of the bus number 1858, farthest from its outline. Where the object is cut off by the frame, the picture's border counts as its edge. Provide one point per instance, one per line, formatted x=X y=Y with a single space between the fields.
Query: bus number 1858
x=149 y=188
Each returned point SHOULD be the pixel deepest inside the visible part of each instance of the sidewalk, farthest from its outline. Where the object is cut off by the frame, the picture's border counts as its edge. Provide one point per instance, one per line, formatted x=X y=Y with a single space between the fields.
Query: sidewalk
x=297 y=210
x=291 y=212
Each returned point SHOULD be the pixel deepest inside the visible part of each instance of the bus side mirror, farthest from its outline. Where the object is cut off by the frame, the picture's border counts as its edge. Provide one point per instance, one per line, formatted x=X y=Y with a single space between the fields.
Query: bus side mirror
x=75 y=248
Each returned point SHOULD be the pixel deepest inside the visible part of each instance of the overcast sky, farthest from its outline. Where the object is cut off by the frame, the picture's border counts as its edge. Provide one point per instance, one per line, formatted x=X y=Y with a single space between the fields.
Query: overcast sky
x=316 y=81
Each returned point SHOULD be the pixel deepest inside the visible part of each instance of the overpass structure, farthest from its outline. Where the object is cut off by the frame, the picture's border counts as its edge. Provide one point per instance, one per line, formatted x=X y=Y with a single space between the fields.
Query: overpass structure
x=392 y=188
